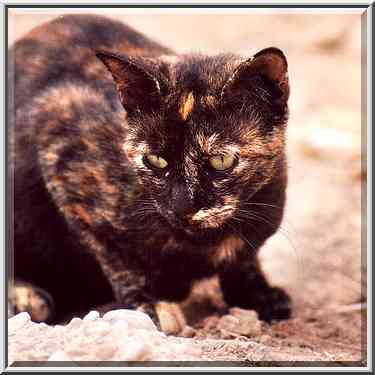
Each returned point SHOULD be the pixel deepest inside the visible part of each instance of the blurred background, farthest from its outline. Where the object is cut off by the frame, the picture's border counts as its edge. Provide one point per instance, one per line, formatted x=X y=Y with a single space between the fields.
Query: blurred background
x=316 y=255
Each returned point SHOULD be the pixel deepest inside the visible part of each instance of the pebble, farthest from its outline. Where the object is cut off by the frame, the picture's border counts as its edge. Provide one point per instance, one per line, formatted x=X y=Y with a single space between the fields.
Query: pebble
x=18 y=321
x=98 y=328
x=188 y=332
x=120 y=327
x=75 y=352
x=240 y=322
x=121 y=335
x=48 y=346
x=91 y=316
x=105 y=351
x=75 y=323
x=135 y=319
x=59 y=355
x=211 y=322
x=135 y=351
x=265 y=339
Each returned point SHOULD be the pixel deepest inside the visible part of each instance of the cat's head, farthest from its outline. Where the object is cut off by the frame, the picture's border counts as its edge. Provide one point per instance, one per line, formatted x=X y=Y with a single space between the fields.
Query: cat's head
x=204 y=134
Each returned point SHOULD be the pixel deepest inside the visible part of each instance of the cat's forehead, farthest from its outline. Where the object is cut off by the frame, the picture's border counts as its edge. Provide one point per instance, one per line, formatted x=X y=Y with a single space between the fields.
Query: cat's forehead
x=195 y=84
x=196 y=134
x=190 y=112
x=202 y=74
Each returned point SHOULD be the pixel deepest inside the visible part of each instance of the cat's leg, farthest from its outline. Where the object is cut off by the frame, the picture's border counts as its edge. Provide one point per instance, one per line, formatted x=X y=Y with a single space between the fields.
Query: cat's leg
x=131 y=288
x=134 y=291
x=151 y=294
x=244 y=285
x=131 y=291
x=25 y=297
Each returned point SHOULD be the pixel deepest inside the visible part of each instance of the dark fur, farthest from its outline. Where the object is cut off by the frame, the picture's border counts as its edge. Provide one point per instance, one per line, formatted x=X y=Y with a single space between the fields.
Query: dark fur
x=90 y=222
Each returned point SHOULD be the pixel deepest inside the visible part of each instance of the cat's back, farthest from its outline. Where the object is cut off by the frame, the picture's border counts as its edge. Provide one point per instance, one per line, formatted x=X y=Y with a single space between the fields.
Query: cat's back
x=64 y=50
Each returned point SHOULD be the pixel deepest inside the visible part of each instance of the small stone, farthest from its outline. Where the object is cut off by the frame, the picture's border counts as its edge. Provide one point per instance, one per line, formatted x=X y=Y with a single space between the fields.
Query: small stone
x=48 y=345
x=244 y=323
x=224 y=334
x=76 y=353
x=133 y=351
x=60 y=355
x=18 y=321
x=31 y=330
x=188 y=332
x=36 y=355
x=120 y=327
x=210 y=322
x=91 y=316
x=265 y=339
x=70 y=342
x=98 y=328
x=236 y=311
x=74 y=324
x=135 y=319
x=105 y=351
x=86 y=340
x=228 y=322
x=25 y=346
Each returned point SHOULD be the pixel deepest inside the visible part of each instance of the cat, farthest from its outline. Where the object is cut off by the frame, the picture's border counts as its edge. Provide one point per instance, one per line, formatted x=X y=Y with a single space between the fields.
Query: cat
x=136 y=171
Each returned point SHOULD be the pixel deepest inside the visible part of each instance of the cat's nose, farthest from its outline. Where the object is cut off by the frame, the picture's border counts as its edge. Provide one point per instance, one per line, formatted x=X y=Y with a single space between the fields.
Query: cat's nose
x=181 y=201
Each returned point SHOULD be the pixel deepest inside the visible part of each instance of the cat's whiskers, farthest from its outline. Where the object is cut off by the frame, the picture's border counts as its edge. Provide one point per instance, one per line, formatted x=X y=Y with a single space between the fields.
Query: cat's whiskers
x=256 y=216
x=248 y=241
x=272 y=206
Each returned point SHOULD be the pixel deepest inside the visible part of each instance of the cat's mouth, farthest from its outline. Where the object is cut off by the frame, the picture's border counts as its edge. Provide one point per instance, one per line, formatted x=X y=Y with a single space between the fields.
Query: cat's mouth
x=211 y=218
x=203 y=220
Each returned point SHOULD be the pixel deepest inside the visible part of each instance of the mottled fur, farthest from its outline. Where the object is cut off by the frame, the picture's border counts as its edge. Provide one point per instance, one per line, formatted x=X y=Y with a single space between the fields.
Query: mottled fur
x=93 y=221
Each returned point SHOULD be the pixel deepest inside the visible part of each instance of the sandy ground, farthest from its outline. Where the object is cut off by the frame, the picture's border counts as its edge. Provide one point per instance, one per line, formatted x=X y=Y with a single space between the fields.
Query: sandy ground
x=316 y=256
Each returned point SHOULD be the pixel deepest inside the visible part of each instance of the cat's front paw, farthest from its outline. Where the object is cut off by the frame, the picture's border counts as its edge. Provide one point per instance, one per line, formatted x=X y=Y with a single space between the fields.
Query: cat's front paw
x=276 y=305
x=25 y=297
x=168 y=317
x=171 y=318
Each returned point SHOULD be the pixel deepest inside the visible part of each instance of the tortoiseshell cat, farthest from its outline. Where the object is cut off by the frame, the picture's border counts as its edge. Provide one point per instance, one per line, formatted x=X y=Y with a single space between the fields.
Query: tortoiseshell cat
x=138 y=171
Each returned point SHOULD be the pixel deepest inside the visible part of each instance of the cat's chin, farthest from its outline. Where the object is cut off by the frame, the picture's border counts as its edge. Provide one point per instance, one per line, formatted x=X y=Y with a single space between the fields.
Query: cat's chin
x=194 y=232
x=185 y=228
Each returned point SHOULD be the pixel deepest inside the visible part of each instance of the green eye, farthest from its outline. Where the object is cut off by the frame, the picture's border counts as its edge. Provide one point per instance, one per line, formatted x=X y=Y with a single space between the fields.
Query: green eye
x=156 y=161
x=222 y=162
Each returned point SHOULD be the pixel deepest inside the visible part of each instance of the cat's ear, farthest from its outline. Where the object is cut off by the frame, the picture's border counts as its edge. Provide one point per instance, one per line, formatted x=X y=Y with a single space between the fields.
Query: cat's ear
x=138 y=89
x=270 y=65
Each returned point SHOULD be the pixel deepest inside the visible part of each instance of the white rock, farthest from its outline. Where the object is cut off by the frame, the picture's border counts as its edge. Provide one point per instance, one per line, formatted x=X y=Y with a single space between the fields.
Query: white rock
x=48 y=346
x=105 y=352
x=91 y=316
x=135 y=319
x=133 y=351
x=120 y=328
x=33 y=329
x=76 y=353
x=25 y=345
x=75 y=323
x=71 y=342
x=145 y=334
x=124 y=336
x=18 y=321
x=59 y=355
x=98 y=328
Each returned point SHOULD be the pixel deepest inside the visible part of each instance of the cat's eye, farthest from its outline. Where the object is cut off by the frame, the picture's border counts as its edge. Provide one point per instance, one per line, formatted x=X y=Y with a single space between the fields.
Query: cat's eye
x=222 y=162
x=156 y=161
